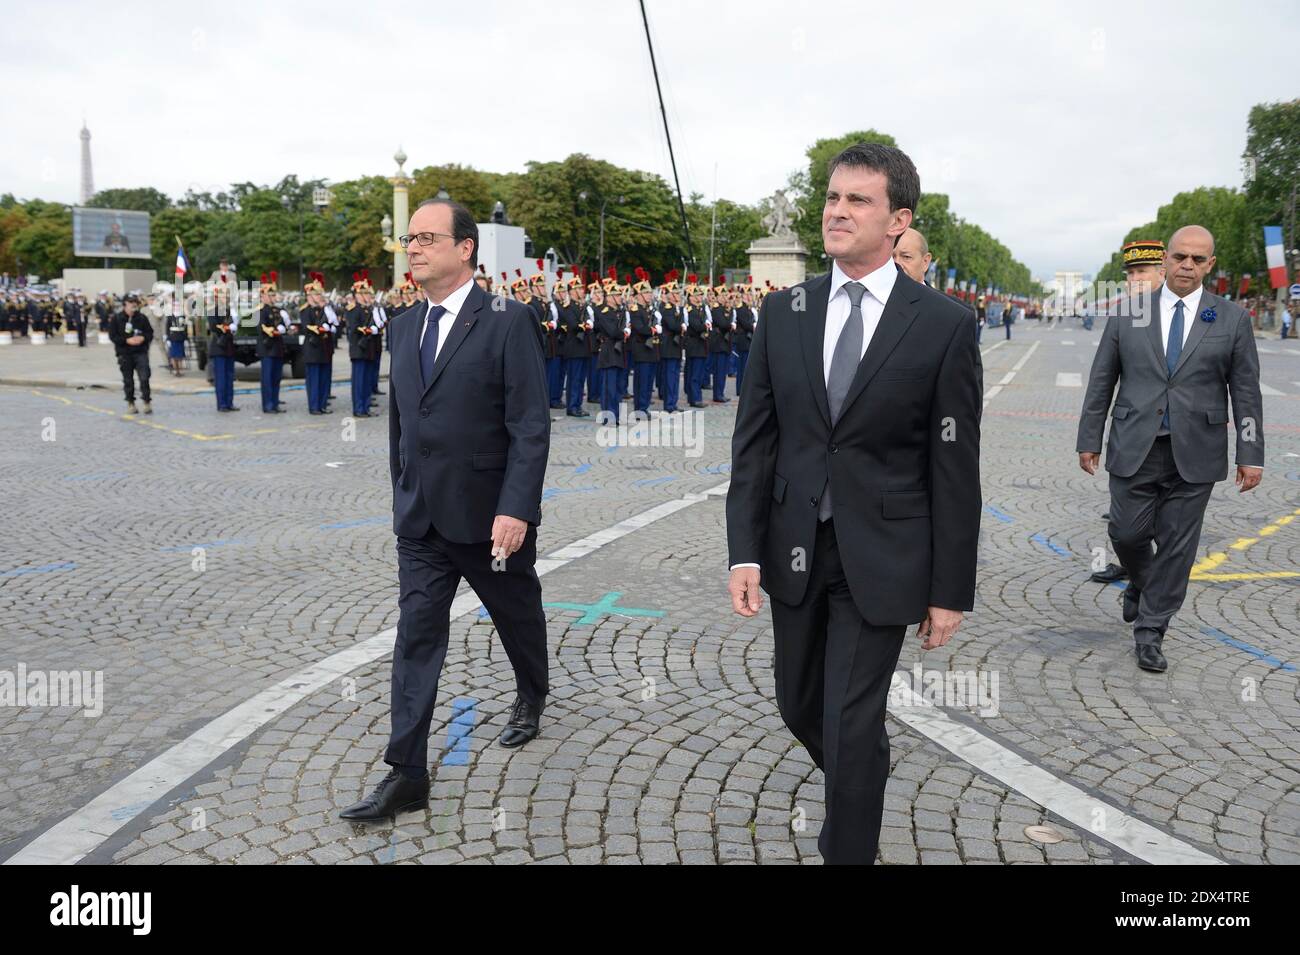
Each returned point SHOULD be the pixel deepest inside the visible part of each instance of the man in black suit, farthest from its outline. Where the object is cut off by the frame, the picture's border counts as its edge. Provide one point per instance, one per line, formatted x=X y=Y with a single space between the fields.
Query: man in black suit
x=469 y=433
x=855 y=494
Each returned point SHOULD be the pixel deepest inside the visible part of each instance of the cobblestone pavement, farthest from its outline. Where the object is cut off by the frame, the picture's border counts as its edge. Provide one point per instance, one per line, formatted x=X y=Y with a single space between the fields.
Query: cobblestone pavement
x=661 y=741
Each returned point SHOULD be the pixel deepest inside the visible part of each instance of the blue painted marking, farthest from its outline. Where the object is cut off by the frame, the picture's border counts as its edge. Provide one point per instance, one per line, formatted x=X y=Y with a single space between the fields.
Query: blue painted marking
x=716 y=469
x=463 y=714
x=204 y=544
x=1000 y=515
x=647 y=482
x=582 y=468
x=1053 y=547
x=1262 y=655
x=1121 y=584
x=551 y=492
x=130 y=812
x=359 y=522
x=482 y=611
x=43 y=569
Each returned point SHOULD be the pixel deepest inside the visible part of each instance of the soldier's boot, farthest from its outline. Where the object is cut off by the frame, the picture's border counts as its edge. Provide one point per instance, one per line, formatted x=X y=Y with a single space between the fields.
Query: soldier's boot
x=131 y=408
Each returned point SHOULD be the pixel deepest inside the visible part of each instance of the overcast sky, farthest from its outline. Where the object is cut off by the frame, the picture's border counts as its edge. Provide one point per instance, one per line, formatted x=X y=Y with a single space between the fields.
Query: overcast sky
x=1055 y=126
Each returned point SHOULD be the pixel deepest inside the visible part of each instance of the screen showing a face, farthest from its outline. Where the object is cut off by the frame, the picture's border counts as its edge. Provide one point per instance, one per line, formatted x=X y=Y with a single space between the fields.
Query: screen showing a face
x=110 y=233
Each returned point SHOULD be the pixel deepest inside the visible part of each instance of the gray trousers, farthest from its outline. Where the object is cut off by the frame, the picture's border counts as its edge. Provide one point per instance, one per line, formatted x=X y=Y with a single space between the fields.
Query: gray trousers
x=1155 y=504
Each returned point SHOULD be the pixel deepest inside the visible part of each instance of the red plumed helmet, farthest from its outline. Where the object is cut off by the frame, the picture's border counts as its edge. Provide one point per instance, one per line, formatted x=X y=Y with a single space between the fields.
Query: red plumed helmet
x=265 y=280
x=410 y=278
x=504 y=277
x=559 y=273
x=612 y=273
x=749 y=280
x=481 y=267
x=692 y=278
x=541 y=265
x=275 y=277
x=519 y=273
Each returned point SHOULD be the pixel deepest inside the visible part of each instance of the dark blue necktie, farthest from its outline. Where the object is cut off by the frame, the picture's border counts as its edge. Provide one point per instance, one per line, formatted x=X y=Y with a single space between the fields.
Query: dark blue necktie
x=429 y=344
x=1172 y=351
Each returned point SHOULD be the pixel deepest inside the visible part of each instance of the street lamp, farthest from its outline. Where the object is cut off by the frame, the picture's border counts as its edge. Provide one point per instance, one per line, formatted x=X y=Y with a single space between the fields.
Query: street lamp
x=603 y=204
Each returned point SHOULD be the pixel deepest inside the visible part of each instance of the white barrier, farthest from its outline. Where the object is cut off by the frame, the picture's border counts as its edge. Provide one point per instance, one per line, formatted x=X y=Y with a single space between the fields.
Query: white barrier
x=69 y=338
x=6 y=338
x=38 y=338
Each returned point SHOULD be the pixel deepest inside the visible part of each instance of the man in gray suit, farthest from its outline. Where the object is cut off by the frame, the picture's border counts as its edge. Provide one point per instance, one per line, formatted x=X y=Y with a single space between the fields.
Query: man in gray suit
x=1178 y=355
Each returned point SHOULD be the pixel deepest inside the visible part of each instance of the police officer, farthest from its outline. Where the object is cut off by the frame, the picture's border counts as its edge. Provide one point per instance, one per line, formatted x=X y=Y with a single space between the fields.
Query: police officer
x=221 y=349
x=272 y=325
x=318 y=344
x=131 y=333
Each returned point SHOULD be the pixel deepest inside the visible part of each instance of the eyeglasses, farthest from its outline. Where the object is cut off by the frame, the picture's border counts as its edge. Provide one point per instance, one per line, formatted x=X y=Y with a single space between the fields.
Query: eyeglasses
x=424 y=238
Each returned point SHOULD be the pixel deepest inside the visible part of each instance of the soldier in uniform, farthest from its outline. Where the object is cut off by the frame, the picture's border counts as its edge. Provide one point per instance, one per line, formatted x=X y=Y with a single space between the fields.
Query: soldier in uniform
x=596 y=292
x=744 y=332
x=272 y=324
x=318 y=344
x=671 y=339
x=178 y=333
x=646 y=328
x=615 y=298
x=221 y=349
x=365 y=332
x=696 y=319
x=720 y=344
x=557 y=329
x=131 y=333
x=611 y=335
x=574 y=348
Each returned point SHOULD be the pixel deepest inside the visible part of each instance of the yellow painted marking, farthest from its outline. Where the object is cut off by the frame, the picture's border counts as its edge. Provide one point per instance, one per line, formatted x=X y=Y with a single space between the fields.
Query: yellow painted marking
x=1243 y=543
x=1209 y=563
x=1263 y=575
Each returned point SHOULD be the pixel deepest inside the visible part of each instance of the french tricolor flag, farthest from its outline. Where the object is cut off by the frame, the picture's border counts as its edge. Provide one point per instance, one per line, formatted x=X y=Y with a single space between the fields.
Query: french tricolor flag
x=182 y=261
x=1273 y=254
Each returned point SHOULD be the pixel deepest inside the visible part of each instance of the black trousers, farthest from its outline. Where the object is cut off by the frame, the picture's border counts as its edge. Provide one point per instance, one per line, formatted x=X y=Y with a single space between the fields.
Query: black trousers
x=1156 y=504
x=132 y=364
x=429 y=570
x=833 y=671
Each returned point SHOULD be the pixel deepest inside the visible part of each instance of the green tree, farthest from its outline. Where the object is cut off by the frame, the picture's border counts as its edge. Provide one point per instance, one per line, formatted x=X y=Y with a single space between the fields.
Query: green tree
x=142 y=199
x=1273 y=140
x=809 y=186
x=464 y=184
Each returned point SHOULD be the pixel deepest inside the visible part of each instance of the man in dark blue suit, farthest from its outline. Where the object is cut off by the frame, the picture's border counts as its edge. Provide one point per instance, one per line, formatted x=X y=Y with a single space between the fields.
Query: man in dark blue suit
x=469 y=433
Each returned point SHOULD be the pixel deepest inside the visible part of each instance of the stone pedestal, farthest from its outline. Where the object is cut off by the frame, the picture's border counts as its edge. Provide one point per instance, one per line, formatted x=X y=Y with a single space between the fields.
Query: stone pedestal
x=780 y=260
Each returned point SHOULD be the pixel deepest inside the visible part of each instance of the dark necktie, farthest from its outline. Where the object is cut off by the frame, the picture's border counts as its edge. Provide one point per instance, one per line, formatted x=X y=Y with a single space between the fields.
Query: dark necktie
x=1172 y=351
x=429 y=344
x=844 y=365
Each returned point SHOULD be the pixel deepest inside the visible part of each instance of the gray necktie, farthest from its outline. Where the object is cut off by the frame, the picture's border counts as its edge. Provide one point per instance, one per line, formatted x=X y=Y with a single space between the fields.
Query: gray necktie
x=844 y=365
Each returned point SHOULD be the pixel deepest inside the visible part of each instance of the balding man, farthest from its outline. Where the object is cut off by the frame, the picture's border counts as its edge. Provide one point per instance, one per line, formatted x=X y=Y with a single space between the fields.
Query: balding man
x=912 y=255
x=1178 y=356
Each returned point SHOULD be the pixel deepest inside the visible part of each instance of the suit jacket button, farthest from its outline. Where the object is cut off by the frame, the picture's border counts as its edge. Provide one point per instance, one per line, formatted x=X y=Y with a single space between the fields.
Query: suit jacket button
x=1160 y=411
x=834 y=448
x=424 y=452
x=812 y=501
x=424 y=412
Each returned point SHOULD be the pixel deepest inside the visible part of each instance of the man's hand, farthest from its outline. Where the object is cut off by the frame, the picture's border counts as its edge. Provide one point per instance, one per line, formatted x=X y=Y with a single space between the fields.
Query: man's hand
x=1088 y=460
x=746 y=598
x=1248 y=477
x=507 y=535
x=938 y=627
x=139 y=339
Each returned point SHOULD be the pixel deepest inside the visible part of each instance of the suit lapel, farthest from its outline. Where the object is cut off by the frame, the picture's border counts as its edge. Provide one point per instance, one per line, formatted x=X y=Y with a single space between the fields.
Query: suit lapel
x=812 y=336
x=1153 y=334
x=1197 y=331
x=895 y=320
x=464 y=320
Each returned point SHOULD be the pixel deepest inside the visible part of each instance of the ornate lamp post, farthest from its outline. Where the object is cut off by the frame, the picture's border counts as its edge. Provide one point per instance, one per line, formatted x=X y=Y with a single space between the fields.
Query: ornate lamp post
x=397 y=225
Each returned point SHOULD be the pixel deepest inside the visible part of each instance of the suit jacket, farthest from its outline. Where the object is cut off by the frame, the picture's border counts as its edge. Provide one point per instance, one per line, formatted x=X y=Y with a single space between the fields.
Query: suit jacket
x=902 y=460
x=1218 y=361
x=473 y=442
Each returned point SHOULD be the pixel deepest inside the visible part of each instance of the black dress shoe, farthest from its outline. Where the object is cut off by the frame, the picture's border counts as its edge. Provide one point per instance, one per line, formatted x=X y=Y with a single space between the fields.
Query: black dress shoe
x=313 y=412
x=1106 y=516
x=379 y=392
x=557 y=405
x=1150 y=658
x=1130 y=598
x=525 y=720
x=697 y=404
x=578 y=414
x=396 y=793
x=1112 y=573
x=326 y=411
x=363 y=414
x=722 y=401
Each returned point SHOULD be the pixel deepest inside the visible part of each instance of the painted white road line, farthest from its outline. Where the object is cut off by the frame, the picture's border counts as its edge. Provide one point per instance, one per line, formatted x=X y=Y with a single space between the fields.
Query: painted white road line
x=1067 y=343
x=1069 y=379
x=1269 y=391
x=1066 y=800
x=71 y=839
x=1006 y=379
x=995 y=345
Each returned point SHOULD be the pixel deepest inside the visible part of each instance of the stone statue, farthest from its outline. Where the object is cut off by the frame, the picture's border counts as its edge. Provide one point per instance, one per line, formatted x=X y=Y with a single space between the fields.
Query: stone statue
x=777 y=222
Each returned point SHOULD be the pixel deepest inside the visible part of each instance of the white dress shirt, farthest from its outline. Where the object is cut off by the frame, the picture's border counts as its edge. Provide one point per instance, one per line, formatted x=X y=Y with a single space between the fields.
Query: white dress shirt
x=1167 y=301
x=453 y=304
x=879 y=284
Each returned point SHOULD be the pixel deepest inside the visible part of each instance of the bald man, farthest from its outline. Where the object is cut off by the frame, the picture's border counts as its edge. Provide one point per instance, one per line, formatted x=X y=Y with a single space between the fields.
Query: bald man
x=1178 y=357
x=912 y=255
